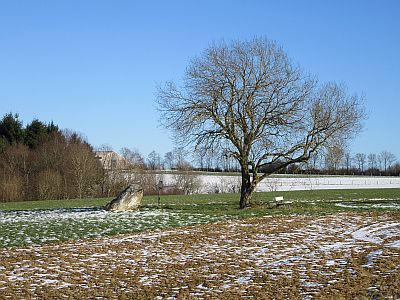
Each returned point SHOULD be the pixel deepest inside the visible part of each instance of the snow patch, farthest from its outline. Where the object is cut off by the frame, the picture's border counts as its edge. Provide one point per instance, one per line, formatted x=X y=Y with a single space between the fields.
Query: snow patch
x=372 y=256
x=368 y=206
x=395 y=244
x=243 y=280
x=372 y=232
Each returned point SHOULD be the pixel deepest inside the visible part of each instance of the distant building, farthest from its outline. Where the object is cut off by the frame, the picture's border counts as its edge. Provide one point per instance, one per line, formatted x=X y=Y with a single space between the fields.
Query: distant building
x=111 y=160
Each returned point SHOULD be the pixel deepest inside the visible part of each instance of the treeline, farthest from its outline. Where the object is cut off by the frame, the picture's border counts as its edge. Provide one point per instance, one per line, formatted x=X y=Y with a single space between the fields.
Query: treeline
x=39 y=161
x=131 y=166
x=179 y=159
x=333 y=161
x=344 y=163
x=338 y=161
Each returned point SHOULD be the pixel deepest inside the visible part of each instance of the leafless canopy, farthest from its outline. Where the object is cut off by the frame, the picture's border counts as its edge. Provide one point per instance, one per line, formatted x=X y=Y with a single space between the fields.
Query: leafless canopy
x=252 y=96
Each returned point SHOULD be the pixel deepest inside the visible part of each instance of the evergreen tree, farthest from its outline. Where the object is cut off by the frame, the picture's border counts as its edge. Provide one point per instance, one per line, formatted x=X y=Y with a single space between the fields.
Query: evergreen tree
x=3 y=144
x=52 y=128
x=11 y=129
x=35 y=134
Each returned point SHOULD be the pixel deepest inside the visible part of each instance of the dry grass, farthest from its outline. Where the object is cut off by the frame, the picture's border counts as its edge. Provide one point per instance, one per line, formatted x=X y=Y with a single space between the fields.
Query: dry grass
x=261 y=258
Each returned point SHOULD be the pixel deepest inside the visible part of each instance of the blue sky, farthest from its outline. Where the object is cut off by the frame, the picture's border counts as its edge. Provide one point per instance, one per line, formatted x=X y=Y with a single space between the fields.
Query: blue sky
x=93 y=66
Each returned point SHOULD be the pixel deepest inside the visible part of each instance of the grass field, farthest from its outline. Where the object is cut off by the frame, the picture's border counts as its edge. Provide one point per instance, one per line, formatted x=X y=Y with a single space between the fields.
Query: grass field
x=342 y=244
x=40 y=222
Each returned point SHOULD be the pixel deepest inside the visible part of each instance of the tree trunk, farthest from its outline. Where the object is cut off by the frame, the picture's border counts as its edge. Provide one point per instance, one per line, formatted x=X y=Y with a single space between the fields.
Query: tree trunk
x=245 y=191
x=245 y=198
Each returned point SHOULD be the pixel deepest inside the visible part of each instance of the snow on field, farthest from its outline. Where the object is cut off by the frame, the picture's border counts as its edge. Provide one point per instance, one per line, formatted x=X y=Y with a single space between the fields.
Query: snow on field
x=293 y=257
x=223 y=184
x=282 y=183
x=377 y=232
x=386 y=205
x=35 y=227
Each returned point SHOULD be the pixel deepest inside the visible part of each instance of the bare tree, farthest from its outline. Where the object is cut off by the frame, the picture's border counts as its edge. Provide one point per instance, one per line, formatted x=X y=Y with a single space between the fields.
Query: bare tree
x=387 y=159
x=18 y=161
x=58 y=165
x=314 y=161
x=133 y=165
x=372 y=162
x=180 y=155
x=169 y=160
x=154 y=161
x=49 y=184
x=361 y=158
x=133 y=160
x=84 y=167
x=205 y=157
x=250 y=95
x=187 y=182
x=15 y=166
x=396 y=169
x=334 y=156
x=348 y=160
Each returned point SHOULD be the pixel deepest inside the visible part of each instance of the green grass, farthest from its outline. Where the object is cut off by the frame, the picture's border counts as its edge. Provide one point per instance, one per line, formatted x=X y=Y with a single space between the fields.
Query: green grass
x=315 y=200
x=40 y=222
x=54 y=204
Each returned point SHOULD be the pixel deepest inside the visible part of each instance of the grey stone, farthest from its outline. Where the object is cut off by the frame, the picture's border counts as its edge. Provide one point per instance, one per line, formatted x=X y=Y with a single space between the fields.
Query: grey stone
x=128 y=199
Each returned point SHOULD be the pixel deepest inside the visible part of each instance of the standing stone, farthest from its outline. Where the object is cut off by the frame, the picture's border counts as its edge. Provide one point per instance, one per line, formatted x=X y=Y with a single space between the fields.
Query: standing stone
x=128 y=199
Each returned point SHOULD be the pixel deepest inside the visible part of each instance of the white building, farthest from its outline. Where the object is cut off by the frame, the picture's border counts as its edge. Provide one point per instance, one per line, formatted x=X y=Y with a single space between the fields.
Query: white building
x=111 y=160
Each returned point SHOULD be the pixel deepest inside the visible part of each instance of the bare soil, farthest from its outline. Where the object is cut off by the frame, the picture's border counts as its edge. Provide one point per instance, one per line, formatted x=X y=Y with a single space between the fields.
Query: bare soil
x=341 y=256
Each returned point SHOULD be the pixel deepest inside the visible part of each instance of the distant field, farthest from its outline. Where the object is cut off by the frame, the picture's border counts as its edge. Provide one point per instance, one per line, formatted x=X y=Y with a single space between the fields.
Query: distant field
x=211 y=183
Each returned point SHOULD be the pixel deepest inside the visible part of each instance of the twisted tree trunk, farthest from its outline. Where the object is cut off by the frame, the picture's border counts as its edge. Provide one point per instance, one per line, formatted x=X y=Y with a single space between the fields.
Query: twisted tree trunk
x=246 y=190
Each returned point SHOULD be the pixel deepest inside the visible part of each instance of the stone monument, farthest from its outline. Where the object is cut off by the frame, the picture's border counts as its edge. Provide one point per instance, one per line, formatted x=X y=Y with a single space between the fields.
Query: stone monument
x=128 y=199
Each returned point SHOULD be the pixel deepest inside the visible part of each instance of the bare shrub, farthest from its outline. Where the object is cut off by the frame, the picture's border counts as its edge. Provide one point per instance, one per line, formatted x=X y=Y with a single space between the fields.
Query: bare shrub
x=50 y=185
x=148 y=181
x=187 y=182
x=11 y=188
x=227 y=185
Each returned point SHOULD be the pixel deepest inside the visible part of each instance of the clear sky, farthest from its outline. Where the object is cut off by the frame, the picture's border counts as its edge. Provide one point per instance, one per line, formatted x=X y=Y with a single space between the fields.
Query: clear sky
x=93 y=66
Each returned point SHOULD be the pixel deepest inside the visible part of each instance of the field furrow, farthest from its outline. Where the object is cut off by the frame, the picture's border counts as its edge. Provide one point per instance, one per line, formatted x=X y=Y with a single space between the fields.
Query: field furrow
x=283 y=257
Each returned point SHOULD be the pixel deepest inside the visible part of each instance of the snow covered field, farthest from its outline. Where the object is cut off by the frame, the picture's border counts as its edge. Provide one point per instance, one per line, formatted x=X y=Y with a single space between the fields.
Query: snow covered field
x=344 y=254
x=299 y=257
x=223 y=184
x=36 y=227
x=211 y=183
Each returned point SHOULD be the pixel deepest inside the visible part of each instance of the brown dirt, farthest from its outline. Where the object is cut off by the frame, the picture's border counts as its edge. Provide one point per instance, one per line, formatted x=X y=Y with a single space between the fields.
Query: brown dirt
x=295 y=257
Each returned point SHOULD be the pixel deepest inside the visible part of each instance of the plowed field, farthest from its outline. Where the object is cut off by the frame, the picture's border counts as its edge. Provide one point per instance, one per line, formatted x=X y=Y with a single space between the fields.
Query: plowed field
x=345 y=255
